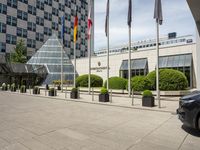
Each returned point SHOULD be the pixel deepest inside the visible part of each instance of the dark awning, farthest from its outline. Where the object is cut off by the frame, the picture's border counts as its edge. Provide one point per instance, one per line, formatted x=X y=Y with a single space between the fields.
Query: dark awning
x=135 y=64
x=175 y=61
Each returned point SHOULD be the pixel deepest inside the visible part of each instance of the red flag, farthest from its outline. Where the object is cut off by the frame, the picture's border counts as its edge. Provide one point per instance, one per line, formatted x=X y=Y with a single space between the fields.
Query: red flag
x=89 y=22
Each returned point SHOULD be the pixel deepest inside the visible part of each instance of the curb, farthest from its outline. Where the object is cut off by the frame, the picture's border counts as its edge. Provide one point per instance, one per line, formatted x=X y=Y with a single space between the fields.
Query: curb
x=94 y=103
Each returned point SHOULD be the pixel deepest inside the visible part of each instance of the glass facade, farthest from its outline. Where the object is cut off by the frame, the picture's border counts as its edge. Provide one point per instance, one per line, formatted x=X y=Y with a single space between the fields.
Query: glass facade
x=182 y=63
x=50 y=56
x=138 y=67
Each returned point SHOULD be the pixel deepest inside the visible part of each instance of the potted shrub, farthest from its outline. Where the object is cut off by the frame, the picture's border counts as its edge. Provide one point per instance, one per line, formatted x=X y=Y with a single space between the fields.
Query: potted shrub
x=4 y=87
x=13 y=88
x=47 y=87
x=52 y=92
x=147 y=99
x=104 y=95
x=36 y=90
x=23 y=89
x=74 y=93
x=59 y=87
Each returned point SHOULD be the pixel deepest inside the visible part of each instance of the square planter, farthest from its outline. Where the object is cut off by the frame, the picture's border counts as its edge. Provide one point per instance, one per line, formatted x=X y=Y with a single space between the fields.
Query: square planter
x=53 y=93
x=23 y=90
x=36 y=91
x=103 y=97
x=13 y=89
x=59 y=87
x=148 y=101
x=74 y=95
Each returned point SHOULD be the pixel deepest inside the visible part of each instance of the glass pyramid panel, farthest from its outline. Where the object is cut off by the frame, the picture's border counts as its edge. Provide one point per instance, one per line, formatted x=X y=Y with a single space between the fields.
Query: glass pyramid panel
x=50 y=56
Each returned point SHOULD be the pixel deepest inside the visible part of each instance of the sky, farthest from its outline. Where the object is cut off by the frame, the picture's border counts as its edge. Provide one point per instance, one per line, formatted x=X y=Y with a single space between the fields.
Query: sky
x=176 y=14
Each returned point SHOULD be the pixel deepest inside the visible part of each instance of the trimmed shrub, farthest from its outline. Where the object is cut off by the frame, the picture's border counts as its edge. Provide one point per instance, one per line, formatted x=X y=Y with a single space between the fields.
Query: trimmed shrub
x=74 y=90
x=104 y=90
x=170 y=80
x=147 y=93
x=82 y=81
x=117 y=83
x=140 y=83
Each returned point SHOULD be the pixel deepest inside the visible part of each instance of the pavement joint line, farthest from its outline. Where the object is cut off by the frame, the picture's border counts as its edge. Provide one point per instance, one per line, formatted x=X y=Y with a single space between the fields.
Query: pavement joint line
x=87 y=102
x=183 y=141
x=139 y=140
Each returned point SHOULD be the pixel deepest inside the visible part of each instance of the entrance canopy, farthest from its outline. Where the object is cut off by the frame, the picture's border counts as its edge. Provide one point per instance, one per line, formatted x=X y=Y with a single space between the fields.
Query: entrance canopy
x=135 y=64
x=175 y=61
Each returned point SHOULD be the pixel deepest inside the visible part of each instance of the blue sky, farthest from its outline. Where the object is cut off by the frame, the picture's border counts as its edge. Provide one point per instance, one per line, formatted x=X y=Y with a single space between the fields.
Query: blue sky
x=176 y=14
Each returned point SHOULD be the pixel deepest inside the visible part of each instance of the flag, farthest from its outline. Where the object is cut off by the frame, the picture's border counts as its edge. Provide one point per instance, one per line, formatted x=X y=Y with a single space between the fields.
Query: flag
x=89 y=22
x=63 y=27
x=129 y=13
x=75 y=27
x=107 y=17
x=158 y=12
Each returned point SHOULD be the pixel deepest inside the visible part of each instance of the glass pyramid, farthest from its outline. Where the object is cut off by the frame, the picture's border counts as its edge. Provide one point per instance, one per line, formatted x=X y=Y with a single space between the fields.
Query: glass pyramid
x=49 y=55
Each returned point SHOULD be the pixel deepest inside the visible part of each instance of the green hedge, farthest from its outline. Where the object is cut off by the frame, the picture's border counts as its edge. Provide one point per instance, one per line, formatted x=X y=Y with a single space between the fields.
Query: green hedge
x=140 y=83
x=82 y=81
x=170 y=80
x=116 y=83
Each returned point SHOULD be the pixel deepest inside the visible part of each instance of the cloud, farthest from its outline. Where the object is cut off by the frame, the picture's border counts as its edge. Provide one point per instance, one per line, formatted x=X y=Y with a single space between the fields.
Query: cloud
x=177 y=18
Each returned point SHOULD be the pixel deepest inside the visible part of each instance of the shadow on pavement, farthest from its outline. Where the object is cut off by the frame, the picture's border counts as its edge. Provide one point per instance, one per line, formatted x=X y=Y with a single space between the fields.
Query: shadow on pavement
x=191 y=131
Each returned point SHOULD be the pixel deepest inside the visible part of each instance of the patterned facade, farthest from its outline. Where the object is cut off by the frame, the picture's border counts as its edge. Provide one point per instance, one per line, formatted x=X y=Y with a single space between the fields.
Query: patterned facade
x=35 y=21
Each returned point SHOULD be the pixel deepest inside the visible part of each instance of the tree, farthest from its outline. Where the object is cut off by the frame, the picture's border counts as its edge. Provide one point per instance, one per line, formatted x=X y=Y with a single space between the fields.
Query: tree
x=19 y=56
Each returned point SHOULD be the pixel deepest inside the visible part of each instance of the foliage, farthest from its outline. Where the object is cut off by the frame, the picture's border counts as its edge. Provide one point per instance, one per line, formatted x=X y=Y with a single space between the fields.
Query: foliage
x=170 y=80
x=19 y=55
x=82 y=81
x=140 y=83
x=104 y=90
x=147 y=93
x=116 y=83
x=52 y=90
x=74 y=90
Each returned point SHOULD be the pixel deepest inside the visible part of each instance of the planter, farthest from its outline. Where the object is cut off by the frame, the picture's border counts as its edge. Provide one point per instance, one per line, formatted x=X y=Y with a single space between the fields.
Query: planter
x=52 y=93
x=74 y=95
x=103 y=97
x=23 y=90
x=59 y=87
x=4 y=88
x=148 y=101
x=36 y=91
x=13 y=89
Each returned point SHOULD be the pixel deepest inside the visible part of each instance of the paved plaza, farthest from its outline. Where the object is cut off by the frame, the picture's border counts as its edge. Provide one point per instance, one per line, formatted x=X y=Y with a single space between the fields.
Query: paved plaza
x=37 y=123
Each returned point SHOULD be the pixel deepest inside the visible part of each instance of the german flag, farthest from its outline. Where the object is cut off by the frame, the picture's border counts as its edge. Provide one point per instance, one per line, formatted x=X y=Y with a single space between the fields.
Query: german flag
x=75 y=27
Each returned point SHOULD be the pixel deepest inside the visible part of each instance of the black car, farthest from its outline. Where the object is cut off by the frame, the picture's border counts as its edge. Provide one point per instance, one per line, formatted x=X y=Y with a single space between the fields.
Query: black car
x=189 y=110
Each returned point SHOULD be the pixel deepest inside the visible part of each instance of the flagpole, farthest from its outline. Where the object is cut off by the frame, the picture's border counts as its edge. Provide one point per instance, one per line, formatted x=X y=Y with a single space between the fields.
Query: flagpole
x=74 y=64
x=108 y=46
x=157 y=67
x=129 y=64
x=89 y=75
x=62 y=49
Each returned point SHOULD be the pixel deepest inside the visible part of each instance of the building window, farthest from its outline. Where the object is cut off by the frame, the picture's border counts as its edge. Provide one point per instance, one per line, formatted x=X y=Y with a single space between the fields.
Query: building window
x=24 y=1
x=39 y=21
x=2 y=27
x=39 y=37
x=22 y=32
x=55 y=11
x=48 y=2
x=31 y=26
x=11 y=39
x=22 y=15
x=31 y=10
x=54 y=26
x=61 y=7
x=47 y=31
x=68 y=3
x=3 y=8
x=68 y=17
x=40 y=5
x=12 y=3
x=11 y=20
x=2 y=47
x=47 y=16
x=31 y=43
